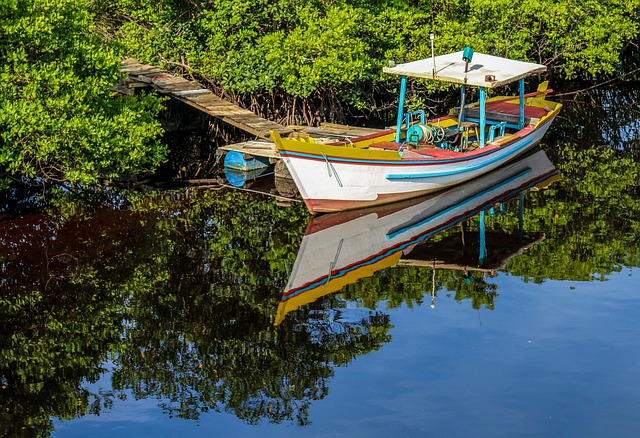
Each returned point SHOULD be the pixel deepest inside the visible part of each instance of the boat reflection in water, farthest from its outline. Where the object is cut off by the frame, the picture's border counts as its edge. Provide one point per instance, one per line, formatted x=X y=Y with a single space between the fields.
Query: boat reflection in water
x=340 y=248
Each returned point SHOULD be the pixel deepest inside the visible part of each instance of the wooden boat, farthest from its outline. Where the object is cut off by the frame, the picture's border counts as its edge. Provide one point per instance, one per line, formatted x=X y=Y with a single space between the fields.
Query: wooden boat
x=340 y=248
x=421 y=156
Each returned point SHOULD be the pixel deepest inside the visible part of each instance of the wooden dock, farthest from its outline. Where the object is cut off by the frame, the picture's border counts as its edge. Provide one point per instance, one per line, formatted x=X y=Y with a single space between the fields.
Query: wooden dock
x=196 y=95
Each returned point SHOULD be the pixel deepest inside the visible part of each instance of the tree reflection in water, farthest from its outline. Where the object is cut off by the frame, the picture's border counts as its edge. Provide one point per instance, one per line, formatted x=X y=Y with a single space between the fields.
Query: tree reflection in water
x=177 y=293
x=179 y=301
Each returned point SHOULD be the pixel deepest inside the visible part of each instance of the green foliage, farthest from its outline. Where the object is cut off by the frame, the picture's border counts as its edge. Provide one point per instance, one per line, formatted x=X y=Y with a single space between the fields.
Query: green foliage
x=300 y=48
x=591 y=215
x=577 y=39
x=295 y=59
x=58 y=119
x=322 y=52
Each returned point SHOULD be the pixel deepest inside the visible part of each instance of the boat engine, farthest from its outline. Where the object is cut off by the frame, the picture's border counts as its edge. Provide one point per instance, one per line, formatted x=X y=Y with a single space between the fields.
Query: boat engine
x=425 y=134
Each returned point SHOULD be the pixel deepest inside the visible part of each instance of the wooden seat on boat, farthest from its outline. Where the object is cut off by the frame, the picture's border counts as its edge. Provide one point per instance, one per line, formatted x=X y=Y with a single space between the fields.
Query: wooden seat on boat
x=386 y=145
x=467 y=128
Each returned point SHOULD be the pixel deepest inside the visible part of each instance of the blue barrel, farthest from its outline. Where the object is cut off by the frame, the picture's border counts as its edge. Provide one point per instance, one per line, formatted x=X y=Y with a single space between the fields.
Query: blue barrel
x=237 y=161
x=238 y=178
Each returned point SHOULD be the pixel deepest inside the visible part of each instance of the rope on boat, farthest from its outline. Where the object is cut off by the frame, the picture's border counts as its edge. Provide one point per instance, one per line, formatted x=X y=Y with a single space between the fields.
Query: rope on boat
x=330 y=168
x=328 y=164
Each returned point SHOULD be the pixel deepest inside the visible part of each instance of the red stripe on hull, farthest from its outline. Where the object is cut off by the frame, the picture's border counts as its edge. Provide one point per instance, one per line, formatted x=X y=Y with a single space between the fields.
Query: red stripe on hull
x=333 y=205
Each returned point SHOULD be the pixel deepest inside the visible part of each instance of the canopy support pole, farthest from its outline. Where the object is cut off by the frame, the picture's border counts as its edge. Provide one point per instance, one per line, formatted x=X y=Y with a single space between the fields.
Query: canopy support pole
x=483 y=115
x=403 y=90
x=463 y=92
x=521 y=120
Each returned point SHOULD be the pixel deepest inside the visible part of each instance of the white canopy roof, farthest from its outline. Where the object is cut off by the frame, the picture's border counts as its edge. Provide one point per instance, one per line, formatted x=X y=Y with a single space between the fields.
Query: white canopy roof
x=484 y=70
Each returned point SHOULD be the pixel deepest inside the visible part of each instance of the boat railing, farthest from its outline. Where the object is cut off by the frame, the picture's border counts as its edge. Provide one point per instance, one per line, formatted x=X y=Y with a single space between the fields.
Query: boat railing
x=492 y=130
x=497 y=118
x=551 y=113
x=409 y=118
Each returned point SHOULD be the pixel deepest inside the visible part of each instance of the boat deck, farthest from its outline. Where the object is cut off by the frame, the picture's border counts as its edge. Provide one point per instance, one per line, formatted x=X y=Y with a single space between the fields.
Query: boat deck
x=505 y=111
x=325 y=133
x=430 y=152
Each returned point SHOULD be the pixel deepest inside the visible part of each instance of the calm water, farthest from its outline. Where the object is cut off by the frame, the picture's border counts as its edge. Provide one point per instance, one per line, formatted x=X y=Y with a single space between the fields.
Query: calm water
x=220 y=313
x=559 y=359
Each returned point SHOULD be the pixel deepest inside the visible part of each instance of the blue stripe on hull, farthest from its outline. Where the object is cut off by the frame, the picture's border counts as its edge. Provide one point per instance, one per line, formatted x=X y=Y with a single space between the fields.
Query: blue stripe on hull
x=526 y=141
x=472 y=167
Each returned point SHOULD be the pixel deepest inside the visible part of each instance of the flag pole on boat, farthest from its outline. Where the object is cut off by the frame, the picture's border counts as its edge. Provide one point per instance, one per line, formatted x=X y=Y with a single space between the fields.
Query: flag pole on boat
x=433 y=55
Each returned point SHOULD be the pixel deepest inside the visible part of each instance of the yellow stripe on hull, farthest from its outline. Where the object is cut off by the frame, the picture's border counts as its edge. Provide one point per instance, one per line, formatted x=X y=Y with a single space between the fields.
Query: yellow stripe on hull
x=334 y=285
x=304 y=146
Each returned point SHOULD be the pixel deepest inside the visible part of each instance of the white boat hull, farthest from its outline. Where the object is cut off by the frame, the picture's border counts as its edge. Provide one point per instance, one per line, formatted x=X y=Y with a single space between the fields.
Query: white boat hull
x=329 y=183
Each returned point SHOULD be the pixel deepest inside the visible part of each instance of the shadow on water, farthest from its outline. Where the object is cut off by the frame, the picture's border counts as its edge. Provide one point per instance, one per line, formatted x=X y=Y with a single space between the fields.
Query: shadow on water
x=208 y=301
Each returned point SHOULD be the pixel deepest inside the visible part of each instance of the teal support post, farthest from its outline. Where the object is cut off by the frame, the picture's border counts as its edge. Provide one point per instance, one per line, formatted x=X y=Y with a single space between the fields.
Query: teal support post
x=483 y=248
x=521 y=120
x=483 y=114
x=403 y=90
x=521 y=215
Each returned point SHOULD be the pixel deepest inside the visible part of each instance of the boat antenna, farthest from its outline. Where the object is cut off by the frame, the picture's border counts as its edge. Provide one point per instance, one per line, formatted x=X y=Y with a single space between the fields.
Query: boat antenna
x=433 y=55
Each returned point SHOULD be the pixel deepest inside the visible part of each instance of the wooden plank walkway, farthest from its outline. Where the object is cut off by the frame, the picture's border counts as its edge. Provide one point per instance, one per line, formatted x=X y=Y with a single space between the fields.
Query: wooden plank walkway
x=194 y=94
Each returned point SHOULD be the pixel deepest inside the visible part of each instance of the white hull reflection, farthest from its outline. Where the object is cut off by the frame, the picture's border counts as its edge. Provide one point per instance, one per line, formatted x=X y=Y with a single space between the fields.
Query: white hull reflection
x=340 y=248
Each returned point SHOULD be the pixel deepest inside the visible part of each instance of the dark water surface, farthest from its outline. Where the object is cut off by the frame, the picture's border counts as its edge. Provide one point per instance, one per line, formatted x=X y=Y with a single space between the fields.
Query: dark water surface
x=508 y=307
